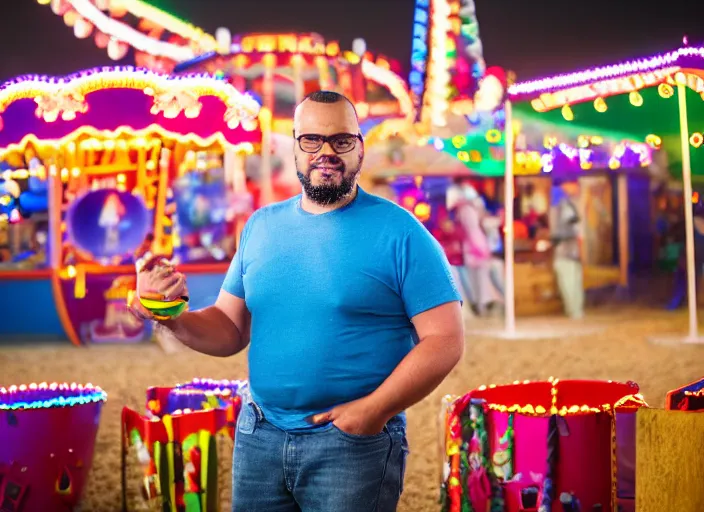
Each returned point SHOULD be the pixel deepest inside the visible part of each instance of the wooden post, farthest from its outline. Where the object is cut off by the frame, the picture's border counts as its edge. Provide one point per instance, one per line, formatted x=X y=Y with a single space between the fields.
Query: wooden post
x=265 y=122
x=298 y=85
x=55 y=237
x=509 y=285
x=160 y=207
x=688 y=217
x=623 y=229
x=142 y=169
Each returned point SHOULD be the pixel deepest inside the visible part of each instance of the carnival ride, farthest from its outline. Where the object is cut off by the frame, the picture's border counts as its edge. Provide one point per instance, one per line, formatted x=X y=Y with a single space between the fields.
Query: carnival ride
x=130 y=161
x=637 y=101
x=448 y=84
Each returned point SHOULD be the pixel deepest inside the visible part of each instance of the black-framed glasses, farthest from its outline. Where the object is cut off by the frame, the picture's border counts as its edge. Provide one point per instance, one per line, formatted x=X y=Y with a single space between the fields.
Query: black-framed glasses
x=340 y=142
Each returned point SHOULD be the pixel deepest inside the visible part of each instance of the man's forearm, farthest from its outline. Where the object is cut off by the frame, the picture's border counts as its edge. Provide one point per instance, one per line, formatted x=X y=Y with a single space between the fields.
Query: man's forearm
x=208 y=331
x=417 y=375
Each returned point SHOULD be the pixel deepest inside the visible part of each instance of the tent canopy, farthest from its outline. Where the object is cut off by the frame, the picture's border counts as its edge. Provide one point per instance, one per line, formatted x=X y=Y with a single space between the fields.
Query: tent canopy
x=656 y=116
x=636 y=98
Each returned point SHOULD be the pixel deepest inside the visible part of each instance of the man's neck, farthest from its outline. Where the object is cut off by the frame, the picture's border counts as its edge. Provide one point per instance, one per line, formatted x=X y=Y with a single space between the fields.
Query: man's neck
x=316 y=209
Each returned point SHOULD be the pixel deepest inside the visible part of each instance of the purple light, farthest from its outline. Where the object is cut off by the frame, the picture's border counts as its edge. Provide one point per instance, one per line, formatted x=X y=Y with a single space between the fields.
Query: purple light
x=46 y=396
x=549 y=84
x=216 y=386
x=67 y=79
x=566 y=158
x=194 y=395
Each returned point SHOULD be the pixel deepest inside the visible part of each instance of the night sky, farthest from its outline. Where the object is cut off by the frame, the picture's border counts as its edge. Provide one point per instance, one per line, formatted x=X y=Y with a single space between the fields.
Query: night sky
x=531 y=38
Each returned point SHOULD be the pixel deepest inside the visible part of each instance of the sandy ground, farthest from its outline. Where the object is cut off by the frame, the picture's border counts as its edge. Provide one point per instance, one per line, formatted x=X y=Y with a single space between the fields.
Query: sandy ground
x=619 y=351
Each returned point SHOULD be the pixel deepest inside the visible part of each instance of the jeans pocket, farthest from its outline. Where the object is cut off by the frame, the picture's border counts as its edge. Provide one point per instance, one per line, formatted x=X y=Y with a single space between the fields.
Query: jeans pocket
x=402 y=463
x=355 y=438
x=247 y=421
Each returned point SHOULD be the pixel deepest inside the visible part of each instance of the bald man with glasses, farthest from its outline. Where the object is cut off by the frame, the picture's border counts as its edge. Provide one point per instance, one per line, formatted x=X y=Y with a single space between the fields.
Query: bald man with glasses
x=351 y=316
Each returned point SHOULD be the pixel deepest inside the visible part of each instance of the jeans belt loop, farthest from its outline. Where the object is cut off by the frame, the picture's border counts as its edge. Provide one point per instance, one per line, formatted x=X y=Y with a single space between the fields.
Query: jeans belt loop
x=258 y=412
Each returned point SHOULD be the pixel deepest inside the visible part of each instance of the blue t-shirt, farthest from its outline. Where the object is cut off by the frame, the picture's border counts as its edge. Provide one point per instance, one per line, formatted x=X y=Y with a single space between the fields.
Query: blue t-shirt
x=331 y=298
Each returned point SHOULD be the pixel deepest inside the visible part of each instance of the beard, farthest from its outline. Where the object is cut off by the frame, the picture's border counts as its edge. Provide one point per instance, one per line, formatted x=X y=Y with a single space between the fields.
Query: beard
x=328 y=194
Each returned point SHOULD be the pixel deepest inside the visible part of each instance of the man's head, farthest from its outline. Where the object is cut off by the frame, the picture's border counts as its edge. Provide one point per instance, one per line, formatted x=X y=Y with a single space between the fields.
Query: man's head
x=328 y=148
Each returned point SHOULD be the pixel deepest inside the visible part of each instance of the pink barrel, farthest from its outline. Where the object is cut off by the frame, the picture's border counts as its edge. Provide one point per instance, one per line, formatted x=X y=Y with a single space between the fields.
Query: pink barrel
x=550 y=445
x=48 y=436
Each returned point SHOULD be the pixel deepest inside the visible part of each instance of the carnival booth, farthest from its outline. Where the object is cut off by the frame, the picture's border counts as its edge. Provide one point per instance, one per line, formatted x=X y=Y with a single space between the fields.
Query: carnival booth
x=541 y=446
x=48 y=434
x=612 y=171
x=178 y=457
x=126 y=161
x=651 y=100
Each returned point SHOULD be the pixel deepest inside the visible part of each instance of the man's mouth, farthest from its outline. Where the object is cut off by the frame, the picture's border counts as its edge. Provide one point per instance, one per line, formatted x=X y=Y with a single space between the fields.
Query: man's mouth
x=327 y=170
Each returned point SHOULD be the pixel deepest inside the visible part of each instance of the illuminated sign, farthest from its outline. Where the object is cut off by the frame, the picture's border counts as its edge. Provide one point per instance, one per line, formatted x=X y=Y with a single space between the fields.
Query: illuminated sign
x=567 y=158
x=551 y=100
x=287 y=43
x=419 y=50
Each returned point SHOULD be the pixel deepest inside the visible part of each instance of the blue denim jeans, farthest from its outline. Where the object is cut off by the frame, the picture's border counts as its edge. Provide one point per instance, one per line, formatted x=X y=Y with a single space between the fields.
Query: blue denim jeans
x=324 y=470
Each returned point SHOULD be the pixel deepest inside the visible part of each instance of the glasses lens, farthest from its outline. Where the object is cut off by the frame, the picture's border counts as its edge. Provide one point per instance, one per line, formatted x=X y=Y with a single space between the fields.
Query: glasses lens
x=310 y=143
x=343 y=143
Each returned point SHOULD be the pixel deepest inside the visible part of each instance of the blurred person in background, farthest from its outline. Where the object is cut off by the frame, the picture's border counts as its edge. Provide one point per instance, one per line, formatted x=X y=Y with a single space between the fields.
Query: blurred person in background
x=469 y=210
x=492 y=223
x=680 y=272
x=532 y=207
x=451 y=236
x=567 y=262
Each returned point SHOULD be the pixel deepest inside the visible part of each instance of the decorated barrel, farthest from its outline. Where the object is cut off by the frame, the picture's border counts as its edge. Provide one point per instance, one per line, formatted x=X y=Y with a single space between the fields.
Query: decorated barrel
x=686 y=398
x=47 y=438
x=177 y=456
x=546 y=446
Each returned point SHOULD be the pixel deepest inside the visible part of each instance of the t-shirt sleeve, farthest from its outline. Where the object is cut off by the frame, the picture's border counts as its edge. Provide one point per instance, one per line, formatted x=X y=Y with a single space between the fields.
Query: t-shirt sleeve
x=233 y=283
x=424 y=273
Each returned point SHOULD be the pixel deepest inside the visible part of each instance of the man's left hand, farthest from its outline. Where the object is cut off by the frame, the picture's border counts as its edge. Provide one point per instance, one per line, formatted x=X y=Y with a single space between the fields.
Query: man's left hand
x=358 y=418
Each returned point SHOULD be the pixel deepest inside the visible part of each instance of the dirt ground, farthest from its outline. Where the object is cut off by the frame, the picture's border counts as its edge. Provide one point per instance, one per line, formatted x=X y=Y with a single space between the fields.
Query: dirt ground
x=620 y=351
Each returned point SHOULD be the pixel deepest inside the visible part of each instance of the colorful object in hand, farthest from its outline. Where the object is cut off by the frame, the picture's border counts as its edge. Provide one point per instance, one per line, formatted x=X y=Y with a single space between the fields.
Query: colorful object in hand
x=156 y=303
x=164 y=309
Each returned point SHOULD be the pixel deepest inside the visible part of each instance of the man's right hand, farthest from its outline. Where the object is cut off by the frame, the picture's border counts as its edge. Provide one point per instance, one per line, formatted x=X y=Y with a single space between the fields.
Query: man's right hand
x=157 y=279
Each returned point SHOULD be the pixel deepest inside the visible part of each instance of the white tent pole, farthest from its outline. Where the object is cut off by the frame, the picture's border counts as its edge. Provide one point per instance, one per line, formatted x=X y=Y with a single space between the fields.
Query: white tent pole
x=509 y=285
x=688 y=217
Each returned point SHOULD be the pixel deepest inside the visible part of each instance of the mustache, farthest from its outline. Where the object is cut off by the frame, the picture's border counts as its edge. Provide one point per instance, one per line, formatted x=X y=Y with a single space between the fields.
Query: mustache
x=328 y=161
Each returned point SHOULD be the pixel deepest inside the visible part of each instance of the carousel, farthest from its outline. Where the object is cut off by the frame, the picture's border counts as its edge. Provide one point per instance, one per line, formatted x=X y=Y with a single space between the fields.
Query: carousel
x=102 y=166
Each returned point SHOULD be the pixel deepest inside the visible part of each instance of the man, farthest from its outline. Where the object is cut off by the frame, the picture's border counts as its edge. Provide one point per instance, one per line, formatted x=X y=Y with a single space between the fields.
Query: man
x=564 y=226
x=332 y=288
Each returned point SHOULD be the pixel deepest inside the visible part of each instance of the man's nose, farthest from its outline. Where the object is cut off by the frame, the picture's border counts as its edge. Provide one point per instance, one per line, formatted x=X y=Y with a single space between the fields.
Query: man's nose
x=326 y=149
